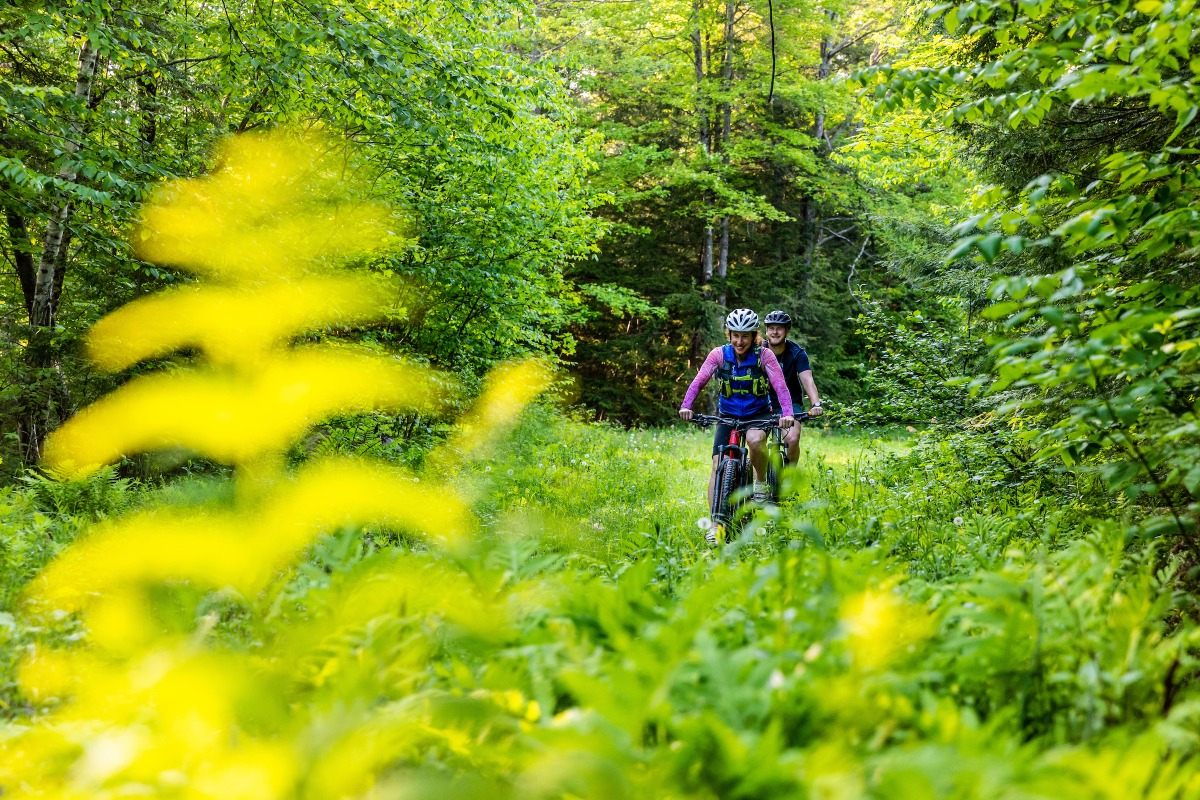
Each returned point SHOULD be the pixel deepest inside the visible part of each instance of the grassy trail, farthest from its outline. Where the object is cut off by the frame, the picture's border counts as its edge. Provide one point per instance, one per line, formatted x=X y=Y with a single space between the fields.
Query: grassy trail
x=912 y=622
x=599 y=493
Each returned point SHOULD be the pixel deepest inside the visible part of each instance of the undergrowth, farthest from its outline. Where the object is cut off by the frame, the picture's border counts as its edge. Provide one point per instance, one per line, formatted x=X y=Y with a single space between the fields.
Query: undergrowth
x=903 y=625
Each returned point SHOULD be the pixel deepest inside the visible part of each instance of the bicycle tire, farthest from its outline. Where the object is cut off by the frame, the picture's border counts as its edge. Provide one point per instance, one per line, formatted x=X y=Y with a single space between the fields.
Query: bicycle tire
x=724 y=503
x=776 y=461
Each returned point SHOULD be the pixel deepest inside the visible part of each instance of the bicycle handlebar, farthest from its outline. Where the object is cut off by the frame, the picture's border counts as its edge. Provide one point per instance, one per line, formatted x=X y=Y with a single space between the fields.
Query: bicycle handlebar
x=766 y=423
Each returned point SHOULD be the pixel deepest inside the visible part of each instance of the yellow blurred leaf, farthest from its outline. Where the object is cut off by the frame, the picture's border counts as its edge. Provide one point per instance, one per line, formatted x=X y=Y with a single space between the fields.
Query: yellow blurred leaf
x=245 y=548
x=507 y=391
x=232 y=325
x=233 y=418
x=275 y=204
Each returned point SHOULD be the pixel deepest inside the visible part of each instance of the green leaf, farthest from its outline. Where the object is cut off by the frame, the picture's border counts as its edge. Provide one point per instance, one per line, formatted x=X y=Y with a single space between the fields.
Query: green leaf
x=1191 y=480
x=963 y=247
x=1182 y=121
x=951 y=21
x=989 y=246
x=1000 y=310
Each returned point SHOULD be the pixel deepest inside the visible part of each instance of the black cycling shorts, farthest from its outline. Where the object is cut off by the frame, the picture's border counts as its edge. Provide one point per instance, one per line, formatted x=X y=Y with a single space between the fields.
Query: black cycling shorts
x=721 y=434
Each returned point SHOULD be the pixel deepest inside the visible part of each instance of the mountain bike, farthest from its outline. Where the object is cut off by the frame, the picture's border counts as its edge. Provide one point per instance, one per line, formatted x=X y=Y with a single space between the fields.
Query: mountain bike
x=734 y=472
x=777 y=457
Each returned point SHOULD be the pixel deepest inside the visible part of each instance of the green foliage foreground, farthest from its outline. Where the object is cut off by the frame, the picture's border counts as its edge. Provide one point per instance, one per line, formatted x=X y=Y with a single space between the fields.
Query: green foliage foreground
x=908 y=626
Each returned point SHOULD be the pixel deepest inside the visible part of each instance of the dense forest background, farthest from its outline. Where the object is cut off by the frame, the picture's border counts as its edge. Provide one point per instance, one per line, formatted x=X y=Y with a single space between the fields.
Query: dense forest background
x=598 y=183
x=281 y=514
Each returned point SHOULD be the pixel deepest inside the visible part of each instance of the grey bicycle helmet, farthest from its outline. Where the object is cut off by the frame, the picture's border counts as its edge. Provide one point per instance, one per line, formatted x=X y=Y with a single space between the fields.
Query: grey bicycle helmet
x=778 y=318
x=742 y=319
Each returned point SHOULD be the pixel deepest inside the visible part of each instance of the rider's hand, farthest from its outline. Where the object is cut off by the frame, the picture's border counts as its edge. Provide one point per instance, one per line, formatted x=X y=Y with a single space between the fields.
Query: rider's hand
x=816 y=411
x=786 y=422
x=685 y=413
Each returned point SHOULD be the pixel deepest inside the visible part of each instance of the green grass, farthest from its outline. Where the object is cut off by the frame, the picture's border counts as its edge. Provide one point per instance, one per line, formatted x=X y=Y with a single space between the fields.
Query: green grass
x=598 y=492
x=913 y=621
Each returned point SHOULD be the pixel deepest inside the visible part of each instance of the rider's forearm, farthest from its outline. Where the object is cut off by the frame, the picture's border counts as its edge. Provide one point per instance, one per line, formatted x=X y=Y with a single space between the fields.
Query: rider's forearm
x=810 y=388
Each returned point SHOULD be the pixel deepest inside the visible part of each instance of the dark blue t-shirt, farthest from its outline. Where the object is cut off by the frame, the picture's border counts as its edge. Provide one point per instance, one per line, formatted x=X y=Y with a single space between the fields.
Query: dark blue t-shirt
x=793 y=361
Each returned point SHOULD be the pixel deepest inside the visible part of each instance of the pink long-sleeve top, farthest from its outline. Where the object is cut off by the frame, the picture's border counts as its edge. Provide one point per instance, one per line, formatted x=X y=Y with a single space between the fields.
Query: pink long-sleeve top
x=770 y=365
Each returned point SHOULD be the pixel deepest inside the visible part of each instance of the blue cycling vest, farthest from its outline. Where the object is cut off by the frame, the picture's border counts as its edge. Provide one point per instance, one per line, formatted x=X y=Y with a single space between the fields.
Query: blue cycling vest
x=743 y=386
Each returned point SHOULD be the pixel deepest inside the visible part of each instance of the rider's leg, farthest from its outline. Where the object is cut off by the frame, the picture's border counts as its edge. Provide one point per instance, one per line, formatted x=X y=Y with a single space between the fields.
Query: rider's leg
x=792 y=437
x=758 y=453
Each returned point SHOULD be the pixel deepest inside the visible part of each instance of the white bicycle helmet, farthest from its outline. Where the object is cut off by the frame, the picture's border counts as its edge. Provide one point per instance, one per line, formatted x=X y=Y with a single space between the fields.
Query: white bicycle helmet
x=742 y=319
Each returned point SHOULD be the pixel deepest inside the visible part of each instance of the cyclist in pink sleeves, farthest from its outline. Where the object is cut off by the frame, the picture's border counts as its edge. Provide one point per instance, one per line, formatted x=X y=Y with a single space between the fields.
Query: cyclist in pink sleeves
x=747 y=372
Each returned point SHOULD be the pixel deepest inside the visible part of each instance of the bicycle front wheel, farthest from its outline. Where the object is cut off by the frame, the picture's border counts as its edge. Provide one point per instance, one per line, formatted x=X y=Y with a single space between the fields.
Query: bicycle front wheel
x=776 y=461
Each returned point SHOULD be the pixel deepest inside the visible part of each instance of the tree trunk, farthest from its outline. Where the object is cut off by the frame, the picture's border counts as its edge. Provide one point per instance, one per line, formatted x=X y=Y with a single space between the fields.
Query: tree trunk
x=723 y=259
x=824 y=69
x=18 y=236
x=44 y=398
x=148 y=105
x=704 y=132
x=811 y=224
x=706 y=255
x=726 y=132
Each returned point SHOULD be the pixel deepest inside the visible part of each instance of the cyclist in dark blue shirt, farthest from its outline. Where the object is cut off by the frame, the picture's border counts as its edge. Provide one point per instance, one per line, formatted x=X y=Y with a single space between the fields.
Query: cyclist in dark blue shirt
x=796 y=372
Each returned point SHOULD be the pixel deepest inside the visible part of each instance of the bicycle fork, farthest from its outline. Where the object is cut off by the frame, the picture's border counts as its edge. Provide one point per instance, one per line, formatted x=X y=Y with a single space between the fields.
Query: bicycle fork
x=722 y=517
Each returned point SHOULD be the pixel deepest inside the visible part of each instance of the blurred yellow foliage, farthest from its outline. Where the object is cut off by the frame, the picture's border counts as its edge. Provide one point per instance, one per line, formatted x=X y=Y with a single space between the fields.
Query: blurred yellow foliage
x=881 y=626
x=149 y=704
x=234 y=417
x=232 y=325
x=245 y=547
x=276 y=204
x=508 y=389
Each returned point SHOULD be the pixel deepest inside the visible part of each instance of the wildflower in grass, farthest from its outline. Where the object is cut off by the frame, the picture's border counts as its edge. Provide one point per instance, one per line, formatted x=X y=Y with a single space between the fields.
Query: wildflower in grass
x=704 y=523
x=958 y=520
